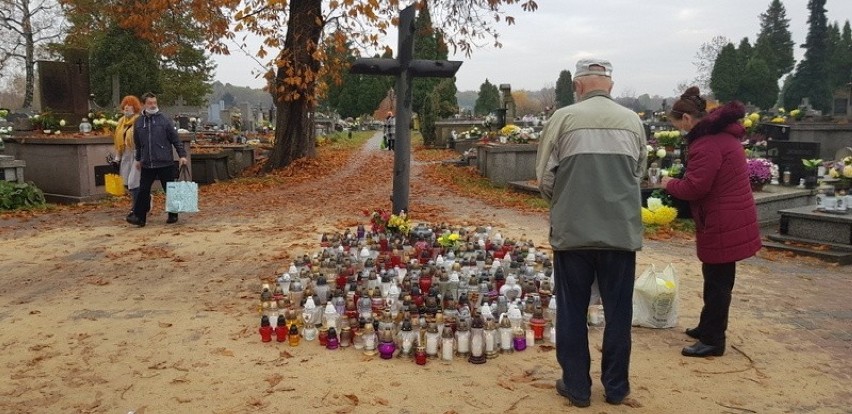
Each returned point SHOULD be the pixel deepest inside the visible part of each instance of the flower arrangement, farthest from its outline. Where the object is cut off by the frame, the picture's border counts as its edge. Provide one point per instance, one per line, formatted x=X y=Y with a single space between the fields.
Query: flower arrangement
x=750 y=122
x=3 y=113
x=382 y=221
x=517 y=135
x=104 y=121
x=842 y=170
x=668 y=138
x=47 y=122
x=473 y=133
x=449 y=241
x=755 y=145
x=489 y=120
x=658 y=213
x=759 y=171
x=399 y=223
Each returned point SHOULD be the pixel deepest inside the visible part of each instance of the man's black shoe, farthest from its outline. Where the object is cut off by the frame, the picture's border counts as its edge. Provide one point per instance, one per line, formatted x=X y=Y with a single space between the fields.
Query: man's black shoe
x=700 y=350
x=173 y=218
x=560 y=388
x=132 y=219
x=693 y=333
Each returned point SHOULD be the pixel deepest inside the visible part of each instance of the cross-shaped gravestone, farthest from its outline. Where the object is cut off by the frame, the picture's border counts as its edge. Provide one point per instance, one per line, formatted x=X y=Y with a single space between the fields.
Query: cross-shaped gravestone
x=405 y=69
x=179 y=102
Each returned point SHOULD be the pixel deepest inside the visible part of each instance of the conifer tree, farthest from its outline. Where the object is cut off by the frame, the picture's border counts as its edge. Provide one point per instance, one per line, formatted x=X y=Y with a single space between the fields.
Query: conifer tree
x=488 y=99
x=774 y=43
x=725 y=78
x=564 y=89
x=811 y=79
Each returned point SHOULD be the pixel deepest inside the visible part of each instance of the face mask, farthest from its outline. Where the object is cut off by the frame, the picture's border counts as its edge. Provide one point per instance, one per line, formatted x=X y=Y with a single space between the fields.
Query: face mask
x=152 y=111
x=128 y=113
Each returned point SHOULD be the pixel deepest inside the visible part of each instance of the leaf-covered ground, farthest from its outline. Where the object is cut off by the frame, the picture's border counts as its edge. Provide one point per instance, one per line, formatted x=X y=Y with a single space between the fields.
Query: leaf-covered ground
x=97 y=316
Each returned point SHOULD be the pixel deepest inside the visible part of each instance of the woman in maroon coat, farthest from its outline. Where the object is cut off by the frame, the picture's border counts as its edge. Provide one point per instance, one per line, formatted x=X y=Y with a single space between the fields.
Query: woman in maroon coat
x=716 y=185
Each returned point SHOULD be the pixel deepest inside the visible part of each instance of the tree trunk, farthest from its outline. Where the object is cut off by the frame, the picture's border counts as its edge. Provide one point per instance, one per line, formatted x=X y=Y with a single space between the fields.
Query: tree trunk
x=295 y=86
x=29 y=64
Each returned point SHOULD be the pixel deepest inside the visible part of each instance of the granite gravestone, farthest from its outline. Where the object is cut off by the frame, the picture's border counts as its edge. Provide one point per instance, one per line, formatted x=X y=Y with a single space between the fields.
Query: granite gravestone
x=789 y=155
x=64 y=86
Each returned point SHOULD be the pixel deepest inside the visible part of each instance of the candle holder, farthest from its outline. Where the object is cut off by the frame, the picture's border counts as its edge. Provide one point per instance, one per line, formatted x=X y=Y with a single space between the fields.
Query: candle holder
x=477 y=342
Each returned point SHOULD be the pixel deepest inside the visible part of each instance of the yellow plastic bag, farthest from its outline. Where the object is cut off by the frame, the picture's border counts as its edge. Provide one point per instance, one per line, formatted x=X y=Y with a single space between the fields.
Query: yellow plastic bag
x=114 y=185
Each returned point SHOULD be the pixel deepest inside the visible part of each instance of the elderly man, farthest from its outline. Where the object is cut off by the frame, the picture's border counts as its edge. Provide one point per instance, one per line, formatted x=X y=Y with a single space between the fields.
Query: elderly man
x=590 y=161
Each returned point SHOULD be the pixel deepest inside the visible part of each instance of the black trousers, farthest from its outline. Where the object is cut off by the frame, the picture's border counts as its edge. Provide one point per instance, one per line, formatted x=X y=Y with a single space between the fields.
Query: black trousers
x=146 y=179
x=391 y=142
x=718 y=284
x=575 y=271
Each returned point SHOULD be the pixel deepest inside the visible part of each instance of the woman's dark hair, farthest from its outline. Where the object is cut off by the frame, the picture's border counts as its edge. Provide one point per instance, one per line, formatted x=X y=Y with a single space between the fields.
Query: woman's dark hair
x=690 y=103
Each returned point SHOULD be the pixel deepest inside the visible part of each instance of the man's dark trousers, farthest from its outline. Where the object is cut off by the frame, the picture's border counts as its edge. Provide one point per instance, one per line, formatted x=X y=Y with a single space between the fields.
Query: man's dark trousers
x=146 y=179
x=575 y=271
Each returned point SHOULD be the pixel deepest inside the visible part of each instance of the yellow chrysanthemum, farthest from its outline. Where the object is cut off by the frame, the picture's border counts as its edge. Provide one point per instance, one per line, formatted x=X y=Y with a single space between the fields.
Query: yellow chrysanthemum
x=833 y=173
x=754 y=117
x=778 y=120
x=647 y=216
x=665 y=215
x=454 y=236
x=747 y=123
x=847 y=171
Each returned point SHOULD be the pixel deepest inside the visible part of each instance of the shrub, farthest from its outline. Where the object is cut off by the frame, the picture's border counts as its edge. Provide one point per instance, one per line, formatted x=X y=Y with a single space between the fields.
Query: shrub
x=14 y=196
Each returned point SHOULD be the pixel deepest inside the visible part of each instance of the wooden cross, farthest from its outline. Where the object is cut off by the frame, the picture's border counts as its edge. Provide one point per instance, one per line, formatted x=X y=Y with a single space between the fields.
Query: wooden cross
x=404 y=68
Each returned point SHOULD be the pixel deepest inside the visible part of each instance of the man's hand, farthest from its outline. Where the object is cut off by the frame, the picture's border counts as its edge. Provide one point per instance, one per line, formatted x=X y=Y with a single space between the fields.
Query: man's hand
x=183 y=161
x=138 y=165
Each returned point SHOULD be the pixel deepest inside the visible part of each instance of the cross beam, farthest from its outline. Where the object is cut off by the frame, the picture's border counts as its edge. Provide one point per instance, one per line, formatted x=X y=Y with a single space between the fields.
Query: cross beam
x=404 y=68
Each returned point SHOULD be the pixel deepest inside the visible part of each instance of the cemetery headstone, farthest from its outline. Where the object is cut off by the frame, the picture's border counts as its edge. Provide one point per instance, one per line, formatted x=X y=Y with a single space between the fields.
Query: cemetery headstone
x=64 y=86
x=789 y=154
x=776 y=132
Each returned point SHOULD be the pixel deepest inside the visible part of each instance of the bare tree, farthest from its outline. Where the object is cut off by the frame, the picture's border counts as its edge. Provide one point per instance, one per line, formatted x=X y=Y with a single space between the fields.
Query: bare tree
x=705 y=58
x=547 y=96
x=26 y=26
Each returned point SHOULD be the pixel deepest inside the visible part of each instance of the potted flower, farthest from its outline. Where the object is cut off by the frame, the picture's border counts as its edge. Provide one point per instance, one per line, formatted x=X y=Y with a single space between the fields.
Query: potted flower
x=668 y=139
x=811 y=165
x=759 y=172
x=842 y=171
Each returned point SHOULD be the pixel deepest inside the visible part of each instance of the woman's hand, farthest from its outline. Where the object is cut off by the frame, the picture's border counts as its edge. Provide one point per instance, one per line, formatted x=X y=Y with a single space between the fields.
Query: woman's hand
x=138 y=165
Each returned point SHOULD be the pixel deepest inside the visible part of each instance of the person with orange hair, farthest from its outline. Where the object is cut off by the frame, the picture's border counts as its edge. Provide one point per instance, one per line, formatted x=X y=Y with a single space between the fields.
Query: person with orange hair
x=125 y=147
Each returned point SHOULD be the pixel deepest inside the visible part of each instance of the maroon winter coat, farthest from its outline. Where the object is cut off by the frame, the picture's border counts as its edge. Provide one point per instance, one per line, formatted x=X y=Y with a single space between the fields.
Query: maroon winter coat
x=717 y=187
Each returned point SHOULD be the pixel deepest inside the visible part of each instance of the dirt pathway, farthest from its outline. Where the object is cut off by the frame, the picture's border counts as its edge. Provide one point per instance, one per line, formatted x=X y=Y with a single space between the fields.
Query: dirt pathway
x=97 y=316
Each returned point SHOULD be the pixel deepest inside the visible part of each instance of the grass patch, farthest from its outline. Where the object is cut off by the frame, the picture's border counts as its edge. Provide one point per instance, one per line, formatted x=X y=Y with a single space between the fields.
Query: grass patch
x=341 y=141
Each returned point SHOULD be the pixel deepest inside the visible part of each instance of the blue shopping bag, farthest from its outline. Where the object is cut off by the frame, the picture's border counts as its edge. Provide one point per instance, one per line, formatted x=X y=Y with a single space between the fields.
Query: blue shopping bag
x=182 y=195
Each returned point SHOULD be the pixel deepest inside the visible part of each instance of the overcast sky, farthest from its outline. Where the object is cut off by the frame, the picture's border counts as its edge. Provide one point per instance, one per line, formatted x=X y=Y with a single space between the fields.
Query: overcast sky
x=651 y=44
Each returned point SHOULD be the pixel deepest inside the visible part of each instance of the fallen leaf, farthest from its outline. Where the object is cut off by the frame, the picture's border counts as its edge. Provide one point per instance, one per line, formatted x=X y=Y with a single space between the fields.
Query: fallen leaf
x=273 y=380
x=165 y=325
x=285 y=354
x=380 y=401
x=506 y=384
x=352 y=397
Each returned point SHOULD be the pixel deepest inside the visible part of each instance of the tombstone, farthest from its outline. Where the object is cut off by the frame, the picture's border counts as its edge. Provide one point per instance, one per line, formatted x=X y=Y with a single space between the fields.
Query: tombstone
x=508 y=102
x=183 y=122
x=775 y=132
x=246 y=118
x=213 y=114
x=64 y=86
x=19 y=121
x=789 y=155
x=842 y=99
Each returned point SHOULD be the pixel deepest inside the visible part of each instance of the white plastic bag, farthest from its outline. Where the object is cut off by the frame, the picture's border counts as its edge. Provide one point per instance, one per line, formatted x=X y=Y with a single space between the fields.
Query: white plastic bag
x=655 y=298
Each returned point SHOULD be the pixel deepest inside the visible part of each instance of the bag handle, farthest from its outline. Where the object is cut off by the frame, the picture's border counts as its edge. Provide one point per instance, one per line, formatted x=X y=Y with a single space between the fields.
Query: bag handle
x=184 y=174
